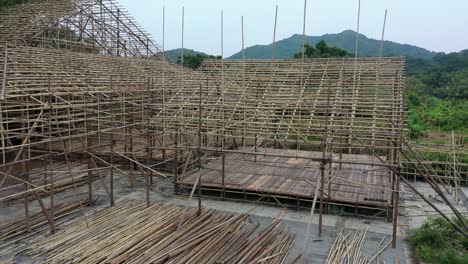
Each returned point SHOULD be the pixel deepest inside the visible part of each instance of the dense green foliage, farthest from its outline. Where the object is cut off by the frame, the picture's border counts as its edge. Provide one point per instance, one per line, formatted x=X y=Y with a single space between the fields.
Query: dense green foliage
x=7 y=3
x=194 y=60
x=437 y=242
x=437 y=94
x=286 y=48
x=321 y=50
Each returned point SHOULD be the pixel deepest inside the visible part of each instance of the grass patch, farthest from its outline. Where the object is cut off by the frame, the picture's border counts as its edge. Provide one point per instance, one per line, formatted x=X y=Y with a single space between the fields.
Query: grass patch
x=437 y=242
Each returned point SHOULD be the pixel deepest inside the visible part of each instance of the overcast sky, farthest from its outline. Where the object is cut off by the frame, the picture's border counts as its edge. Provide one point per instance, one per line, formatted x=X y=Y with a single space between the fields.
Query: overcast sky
x=432 y=24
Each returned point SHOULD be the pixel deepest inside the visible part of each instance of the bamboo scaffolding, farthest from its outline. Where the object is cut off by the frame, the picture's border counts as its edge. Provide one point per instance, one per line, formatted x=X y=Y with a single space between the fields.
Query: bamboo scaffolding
x=98 y=26
x=87 y=88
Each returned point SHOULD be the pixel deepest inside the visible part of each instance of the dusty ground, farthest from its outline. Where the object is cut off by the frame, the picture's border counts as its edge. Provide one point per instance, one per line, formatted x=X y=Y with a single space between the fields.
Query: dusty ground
x=296 y=220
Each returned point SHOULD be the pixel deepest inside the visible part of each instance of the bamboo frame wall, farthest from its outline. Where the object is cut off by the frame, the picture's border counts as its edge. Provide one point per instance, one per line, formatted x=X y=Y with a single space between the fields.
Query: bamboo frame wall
x=278 y=108
x=446 y=162
x=325 y=105
x=98 y=26
x=63 y=107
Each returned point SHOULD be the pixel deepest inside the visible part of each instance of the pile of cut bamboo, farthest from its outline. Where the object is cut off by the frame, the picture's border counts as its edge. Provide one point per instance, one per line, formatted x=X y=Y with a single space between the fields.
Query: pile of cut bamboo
x=131 y=233
x=18 y=227
x=347 y=249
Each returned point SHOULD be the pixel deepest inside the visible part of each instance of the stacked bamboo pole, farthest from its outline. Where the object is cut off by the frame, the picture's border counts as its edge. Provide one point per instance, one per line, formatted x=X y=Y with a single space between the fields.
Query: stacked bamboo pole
x=132 y=233
x=17 y=228
x=348 y=249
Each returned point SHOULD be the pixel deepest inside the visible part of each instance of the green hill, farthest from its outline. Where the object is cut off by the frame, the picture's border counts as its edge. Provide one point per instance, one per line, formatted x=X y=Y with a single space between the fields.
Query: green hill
x=174 y=54
x=285 y=49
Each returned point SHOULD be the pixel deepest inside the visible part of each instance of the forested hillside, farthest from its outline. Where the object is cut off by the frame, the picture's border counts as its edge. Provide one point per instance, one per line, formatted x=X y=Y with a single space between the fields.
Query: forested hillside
x=368 y=47
x=174 y=54
x=437 y=94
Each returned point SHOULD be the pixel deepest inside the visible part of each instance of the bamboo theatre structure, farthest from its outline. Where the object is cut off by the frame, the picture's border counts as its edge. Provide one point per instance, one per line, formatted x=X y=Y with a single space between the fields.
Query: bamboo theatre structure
x=87 y=95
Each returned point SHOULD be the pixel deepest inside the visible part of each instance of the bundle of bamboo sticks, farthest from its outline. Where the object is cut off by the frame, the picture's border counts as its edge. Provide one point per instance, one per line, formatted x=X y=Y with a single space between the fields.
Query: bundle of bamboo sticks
x=18 y=227
x=131 y=233
x=348 y=249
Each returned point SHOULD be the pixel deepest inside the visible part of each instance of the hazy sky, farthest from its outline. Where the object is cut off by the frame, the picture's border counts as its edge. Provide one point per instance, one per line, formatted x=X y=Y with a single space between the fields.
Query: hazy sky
x=432 y=24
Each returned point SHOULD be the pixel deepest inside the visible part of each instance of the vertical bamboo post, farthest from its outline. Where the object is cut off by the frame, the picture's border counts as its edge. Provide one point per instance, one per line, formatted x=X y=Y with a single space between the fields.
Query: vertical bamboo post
x=2 y=133
x=199 y=188
x=302 y=64
x=223 y=155
x=176 y=160
x=182 y=44
x=353 y=103
x=163 y=140
x=5 y=74
x=148 y=147
x=49 y=160
x=399 y=97
x=324 y=160
x=130 y=146
x=178 y=141
x=383 y=35
x=69 y=125
x=199 y=154
x=90 y=180
x=125 y=131
x=273 y=61
x=256 y=134
x=153 y=132
x=274 y=37
x=455 y=176
x=244 y=122
x=88 y=145
x=111 y=107
x=25 y=173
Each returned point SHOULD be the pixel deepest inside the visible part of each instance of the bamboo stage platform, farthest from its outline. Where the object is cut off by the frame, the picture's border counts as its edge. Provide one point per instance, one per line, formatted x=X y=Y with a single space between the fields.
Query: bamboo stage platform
x=289 y=179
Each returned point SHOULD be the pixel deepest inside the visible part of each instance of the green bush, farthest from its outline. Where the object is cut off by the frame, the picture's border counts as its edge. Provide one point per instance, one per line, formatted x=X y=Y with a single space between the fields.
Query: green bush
x=437 y=94
x=436 y=241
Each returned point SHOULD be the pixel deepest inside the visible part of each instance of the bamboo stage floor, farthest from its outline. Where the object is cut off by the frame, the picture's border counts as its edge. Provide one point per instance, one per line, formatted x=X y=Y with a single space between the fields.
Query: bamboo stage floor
x=289 y=178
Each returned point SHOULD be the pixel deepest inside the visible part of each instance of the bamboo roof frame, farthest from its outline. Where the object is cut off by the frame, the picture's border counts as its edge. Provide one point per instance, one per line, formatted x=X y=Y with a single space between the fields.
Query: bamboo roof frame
x=99 y=26
x=272 y=104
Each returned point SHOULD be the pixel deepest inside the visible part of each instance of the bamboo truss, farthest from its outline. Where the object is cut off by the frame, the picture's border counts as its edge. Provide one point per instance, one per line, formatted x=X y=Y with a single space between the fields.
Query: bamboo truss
x=98 y=26
x=279 y=108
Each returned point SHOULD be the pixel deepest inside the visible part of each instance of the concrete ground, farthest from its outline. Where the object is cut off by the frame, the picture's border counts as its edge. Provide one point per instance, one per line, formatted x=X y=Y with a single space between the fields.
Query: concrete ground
x=296 y=220
x=417 y=210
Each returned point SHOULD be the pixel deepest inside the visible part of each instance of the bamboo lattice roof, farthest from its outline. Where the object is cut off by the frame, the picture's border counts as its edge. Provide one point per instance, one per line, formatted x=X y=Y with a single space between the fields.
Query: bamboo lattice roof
x=99 y=26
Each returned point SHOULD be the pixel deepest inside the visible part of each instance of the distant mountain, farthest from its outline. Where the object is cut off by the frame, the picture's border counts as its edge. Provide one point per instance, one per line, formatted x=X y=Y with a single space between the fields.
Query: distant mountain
x=174 y=54
x=285 y=49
